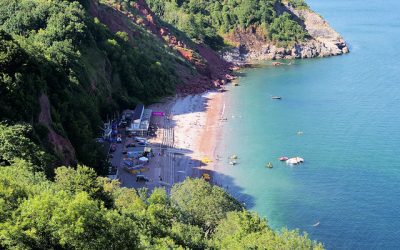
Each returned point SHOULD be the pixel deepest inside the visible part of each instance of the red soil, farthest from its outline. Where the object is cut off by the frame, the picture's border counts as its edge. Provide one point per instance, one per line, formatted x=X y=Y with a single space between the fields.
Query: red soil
x=212 y=70
x=61 y=146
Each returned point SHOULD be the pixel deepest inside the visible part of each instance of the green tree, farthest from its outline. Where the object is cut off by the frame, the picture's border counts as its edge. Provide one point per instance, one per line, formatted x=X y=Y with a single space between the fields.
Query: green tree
x=201 y=203
x=80 y=223
x=87 y=72
x=285 y=30
x=36 y=213
x=188 y=235
x=225 y=16
x=16 y=142
x=246 y=230
x=82 y=179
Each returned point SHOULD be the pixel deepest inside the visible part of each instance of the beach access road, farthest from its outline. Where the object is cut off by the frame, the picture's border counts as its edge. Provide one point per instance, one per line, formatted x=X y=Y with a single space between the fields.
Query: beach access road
x=174 y=147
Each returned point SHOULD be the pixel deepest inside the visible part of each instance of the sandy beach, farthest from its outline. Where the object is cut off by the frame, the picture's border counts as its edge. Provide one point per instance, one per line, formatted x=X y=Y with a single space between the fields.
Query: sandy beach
x=188 y=136
x=198 y=125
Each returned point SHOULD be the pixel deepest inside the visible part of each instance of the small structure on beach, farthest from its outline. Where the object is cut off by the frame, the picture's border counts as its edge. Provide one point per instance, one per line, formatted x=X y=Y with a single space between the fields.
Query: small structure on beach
x=107 y=131
x=143 y=159
x=206 y=160
x=139 y=119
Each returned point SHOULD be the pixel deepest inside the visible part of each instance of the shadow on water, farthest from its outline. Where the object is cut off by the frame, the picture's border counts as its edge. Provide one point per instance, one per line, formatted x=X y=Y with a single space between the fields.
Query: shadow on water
x=177 y=165
x=170 y=164
x=228 y=183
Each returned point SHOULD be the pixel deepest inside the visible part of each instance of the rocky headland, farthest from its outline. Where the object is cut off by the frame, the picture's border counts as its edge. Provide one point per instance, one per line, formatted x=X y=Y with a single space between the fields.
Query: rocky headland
x=251 y=44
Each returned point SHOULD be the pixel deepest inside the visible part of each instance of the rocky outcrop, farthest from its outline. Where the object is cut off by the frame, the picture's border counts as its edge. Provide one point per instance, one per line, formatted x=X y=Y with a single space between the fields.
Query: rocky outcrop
x=60 y=145
x=323 y=41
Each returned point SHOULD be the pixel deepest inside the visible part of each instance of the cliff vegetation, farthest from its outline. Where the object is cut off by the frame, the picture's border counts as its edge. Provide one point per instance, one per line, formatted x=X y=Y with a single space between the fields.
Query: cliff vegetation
x=81 y=211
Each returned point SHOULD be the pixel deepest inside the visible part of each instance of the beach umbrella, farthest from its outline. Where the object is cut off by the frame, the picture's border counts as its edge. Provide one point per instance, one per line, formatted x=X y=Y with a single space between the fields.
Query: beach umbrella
x=206 y=160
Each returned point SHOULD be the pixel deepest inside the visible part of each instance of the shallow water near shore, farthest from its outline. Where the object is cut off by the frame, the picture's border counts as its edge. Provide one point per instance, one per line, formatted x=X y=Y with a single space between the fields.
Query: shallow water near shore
x=348 y=108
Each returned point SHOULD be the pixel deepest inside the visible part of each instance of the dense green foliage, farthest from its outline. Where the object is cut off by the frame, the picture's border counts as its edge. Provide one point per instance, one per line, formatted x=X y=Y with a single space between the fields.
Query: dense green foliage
x=285 y=30
x=204 y=20
x=87 y=72
x=55 y=49
x=298 y=3
x=16 y=143
x=81 y=211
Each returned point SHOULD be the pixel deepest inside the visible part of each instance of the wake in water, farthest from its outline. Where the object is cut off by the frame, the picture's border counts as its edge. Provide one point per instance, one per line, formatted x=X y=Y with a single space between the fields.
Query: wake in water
x=316 y=224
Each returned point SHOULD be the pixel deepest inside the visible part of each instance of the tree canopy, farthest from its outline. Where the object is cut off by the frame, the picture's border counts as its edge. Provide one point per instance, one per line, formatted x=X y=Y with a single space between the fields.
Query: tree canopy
x=56 y=48
x=81 y=211
x=207 y=20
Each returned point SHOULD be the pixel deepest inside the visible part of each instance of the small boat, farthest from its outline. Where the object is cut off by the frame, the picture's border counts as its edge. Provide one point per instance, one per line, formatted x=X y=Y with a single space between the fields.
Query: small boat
x=232 y=163
x=269 y=165
x=276 y=98
x=283 y=158
x=233 y=157
x=316 y=224
x=235 y=84
x=295 y=161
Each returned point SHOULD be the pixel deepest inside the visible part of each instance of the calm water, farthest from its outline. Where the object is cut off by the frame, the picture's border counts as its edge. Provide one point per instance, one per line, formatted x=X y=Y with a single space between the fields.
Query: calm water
x=349 y=110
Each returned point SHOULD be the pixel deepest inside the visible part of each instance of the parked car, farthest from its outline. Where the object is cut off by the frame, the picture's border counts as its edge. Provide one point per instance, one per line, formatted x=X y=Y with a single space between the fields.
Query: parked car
x=119 y=138
x=142 y=143
x=140 y=139
x=140 y=177
x=130 y=145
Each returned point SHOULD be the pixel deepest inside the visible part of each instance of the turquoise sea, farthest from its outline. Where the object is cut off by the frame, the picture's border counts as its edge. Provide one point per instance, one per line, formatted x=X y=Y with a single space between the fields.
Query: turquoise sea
x=348 y=108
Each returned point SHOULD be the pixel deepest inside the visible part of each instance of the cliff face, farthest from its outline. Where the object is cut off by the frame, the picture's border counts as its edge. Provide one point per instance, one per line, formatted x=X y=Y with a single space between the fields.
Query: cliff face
x=323 y=40
x=203 y=68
